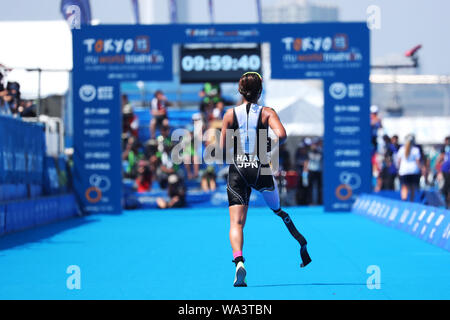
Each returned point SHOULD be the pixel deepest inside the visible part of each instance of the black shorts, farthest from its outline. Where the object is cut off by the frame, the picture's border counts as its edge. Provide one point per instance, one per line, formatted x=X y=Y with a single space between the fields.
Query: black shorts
x=242 y=180
x=159 y=120
x=410 y=180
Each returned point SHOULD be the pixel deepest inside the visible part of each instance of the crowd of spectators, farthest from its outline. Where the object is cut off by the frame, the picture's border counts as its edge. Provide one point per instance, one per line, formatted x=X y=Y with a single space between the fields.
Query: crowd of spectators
x=301 y=180
x=150 y=162
x=11 y=103
x=409 y=167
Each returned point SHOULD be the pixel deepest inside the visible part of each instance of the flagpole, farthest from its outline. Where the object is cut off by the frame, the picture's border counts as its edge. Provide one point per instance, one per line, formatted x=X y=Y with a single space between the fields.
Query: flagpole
x=211 y=11
x=259 y=10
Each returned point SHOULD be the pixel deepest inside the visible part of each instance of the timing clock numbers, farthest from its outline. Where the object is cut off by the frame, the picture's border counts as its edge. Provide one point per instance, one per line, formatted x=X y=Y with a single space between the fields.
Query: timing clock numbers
x=200 y=63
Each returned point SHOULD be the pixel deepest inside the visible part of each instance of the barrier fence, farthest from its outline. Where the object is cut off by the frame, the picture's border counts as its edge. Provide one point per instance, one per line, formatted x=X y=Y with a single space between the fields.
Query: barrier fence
x=27 y=174
x=22 y=151
x=20 y=215
x=428 y=223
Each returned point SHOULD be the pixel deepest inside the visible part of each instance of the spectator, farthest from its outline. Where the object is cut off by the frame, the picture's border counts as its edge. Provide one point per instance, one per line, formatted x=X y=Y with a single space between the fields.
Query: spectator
x=395 y=146
x=191 y=159
x=13 y=97
x=210 y=95
x=285 y=158
x=208 y=182
x=7 y=105
x=301 y=158
x=388 y=173
x=409 y=164
x=159 y=106
x=375 y=125
x=444 y=160
x=130 y=122
x=164 y=140
x=218 y=111
x=164 y=164
x=151 y=148
x=176 y=192
x=131 y=156
x=313 y=167
x=144 y=177
x=27 y=109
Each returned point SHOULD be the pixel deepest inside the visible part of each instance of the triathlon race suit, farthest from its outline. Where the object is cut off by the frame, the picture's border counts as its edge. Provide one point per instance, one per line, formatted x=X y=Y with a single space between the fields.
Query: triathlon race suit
x=245 y=172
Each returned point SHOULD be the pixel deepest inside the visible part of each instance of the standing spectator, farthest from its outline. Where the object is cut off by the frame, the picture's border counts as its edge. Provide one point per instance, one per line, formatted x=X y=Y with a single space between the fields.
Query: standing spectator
x=388 y=173
x=313 y=167
x=301 y=158
x=444 y=161
x=395 y=146
x=285 y=158
x=375 y=125
x=176 y=192
x=130 y=122
x=409 y=164
x=7 y=105
x=158 y=111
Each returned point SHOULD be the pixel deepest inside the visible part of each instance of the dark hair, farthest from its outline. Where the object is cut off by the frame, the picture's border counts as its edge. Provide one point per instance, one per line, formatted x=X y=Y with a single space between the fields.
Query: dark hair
x=250 y=86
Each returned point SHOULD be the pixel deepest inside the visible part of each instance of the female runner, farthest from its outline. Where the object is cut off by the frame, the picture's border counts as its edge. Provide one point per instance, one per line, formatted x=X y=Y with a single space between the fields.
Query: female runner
x=245 y=131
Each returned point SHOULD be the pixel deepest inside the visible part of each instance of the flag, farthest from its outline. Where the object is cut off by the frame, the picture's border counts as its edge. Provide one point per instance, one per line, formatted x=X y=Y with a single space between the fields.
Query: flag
x=76 y=12
x=135 y=4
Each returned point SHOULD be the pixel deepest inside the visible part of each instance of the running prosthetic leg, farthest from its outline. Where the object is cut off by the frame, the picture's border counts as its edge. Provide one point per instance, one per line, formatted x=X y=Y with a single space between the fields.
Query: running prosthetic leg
x=306 y=259
x=239 y=279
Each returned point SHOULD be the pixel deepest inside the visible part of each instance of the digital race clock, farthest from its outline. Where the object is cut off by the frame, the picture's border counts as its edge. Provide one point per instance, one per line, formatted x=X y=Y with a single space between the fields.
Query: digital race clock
x=218 y=65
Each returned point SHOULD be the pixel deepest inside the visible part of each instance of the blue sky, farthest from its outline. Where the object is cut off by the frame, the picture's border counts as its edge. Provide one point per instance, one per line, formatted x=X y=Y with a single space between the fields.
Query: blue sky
x=404 y=23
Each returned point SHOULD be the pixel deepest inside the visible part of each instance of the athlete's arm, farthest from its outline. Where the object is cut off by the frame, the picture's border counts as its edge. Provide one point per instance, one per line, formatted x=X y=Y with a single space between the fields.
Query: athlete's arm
x=275 y=124
x=226 y=123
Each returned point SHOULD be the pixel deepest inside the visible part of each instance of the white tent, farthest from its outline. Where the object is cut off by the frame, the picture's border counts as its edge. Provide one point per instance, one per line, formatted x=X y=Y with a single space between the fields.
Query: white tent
x=299 y=104
x=37 y=44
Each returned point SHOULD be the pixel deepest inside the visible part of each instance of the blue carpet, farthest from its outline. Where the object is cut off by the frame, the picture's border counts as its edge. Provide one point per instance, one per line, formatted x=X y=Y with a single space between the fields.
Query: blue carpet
x=185 y=254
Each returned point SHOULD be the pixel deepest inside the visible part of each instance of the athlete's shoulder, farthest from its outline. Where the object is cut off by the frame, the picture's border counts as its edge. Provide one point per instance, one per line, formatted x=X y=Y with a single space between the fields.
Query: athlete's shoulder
x=229 y=113
x=228 y=116
x=269 y=111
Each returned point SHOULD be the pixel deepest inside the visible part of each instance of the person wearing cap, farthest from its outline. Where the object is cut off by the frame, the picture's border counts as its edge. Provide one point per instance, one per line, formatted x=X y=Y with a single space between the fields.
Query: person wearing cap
x=176 y=193
x=409 y=168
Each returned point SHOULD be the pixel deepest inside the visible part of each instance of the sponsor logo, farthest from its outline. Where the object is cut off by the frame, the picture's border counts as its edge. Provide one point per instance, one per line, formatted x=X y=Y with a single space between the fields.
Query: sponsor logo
x=140 y=44
x=98 y=186
x=349 y=183
x=87 y=93
x=338 y=90
x=105 y=93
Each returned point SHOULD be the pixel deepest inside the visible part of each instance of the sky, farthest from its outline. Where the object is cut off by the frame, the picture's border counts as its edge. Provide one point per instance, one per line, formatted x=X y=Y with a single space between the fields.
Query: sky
x=404 y=23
